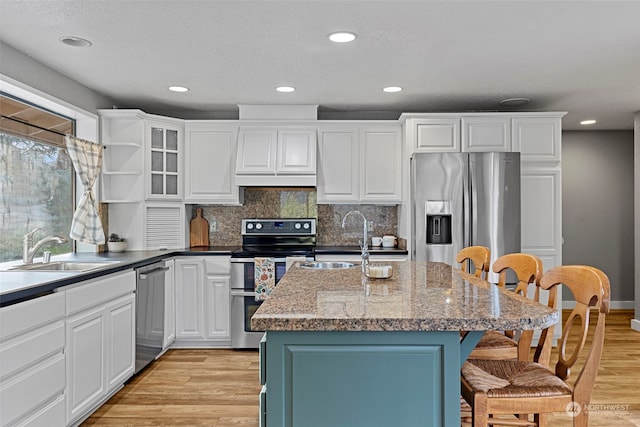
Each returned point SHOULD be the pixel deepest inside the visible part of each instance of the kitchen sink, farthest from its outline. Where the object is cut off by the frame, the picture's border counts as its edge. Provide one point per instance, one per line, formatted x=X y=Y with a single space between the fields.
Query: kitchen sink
x=63 y=266
x=323 y=265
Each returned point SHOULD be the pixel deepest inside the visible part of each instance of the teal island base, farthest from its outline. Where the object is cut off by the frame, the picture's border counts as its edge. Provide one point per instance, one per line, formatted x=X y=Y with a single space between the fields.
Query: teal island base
x=362 y=379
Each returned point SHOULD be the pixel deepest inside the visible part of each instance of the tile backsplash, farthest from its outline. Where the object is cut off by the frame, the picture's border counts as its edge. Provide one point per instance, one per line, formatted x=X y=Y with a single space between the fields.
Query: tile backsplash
x=224 y=221
x=331 y=233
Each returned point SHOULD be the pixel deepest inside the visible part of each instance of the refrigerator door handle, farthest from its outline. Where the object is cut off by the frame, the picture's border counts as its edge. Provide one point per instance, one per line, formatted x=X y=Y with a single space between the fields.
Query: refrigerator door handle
x=467 y=210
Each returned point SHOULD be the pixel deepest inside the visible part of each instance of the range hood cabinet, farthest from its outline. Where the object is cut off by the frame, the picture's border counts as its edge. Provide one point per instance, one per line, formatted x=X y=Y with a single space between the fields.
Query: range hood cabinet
x=276 y=157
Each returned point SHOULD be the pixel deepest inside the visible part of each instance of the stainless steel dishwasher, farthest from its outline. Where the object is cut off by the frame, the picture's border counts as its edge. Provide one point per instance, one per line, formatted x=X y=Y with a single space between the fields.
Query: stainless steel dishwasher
x=149 y=313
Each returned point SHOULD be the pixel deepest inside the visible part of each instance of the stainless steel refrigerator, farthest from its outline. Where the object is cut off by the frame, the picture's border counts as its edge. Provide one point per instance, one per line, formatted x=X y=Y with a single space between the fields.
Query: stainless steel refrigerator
x=465 y=199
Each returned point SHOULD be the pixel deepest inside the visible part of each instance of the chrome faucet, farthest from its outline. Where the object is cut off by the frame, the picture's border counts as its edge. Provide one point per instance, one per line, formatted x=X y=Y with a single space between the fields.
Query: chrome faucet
x=29 y=249
x=364 y=242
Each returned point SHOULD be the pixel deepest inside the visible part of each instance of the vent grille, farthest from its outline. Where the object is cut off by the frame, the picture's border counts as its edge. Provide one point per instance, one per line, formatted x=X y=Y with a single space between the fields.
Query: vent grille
x=163 y=228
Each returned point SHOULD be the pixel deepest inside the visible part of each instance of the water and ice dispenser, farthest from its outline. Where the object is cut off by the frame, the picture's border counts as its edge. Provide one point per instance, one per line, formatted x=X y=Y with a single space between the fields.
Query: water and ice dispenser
x=438 y=220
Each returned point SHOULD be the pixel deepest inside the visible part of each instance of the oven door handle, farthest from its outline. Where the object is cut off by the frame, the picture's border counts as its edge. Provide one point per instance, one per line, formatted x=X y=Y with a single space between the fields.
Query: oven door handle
x=248 y=260
x=242 y=293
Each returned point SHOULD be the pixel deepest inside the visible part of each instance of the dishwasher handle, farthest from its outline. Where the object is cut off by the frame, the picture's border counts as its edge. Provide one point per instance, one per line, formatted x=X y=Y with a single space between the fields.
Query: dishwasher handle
x=146 y=274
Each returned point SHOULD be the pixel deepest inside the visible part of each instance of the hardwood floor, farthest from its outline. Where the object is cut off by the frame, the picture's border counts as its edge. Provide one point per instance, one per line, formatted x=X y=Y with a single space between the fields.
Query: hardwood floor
x=219 y=388
x=188 y=388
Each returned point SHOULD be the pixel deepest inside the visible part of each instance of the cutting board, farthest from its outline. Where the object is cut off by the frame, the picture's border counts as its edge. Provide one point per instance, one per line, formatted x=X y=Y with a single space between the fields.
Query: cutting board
x=199 y=230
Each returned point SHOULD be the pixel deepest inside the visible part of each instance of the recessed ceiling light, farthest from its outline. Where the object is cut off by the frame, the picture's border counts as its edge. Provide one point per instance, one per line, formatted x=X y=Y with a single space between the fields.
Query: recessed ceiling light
x=286 y=89
x=588 y=122
x=75 y=41
x=342 y=37
x=392 y=89
x=178 y=89
x=514 y=102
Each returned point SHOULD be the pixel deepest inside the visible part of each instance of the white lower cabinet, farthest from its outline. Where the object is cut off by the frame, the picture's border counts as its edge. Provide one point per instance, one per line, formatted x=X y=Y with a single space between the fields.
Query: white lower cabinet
x=100 y=341
x=189 y=277
x=202 y=301
x=86 y=354
x=120 y=345
x=217 y=297
x=32 y=362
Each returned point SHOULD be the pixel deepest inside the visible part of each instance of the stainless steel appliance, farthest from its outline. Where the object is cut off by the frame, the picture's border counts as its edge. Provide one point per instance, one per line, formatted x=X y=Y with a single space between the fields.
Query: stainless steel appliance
x=149 y=313
x=274 y=238
x=464 y=199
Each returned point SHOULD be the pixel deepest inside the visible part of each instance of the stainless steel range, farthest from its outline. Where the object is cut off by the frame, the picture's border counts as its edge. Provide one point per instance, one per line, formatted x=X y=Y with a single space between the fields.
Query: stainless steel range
x=278 y=239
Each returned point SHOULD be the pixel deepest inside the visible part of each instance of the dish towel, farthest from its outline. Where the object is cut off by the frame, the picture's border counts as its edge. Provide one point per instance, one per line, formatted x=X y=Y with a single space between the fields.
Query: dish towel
x=264 y=277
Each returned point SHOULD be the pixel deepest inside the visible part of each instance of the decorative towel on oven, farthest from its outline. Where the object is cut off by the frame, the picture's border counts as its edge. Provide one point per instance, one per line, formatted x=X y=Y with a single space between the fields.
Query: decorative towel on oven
x=265 y=277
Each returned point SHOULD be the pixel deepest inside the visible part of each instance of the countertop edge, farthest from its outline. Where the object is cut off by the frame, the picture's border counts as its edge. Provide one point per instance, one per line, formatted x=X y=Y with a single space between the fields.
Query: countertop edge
x=36 y=287
x=408 y=325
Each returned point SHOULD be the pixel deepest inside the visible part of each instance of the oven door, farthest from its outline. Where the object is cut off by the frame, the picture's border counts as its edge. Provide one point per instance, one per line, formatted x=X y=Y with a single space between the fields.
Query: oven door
x=243 y=301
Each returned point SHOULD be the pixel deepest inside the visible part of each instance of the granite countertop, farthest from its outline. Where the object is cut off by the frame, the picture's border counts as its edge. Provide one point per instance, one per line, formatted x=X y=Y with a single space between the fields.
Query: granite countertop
x=420 y=296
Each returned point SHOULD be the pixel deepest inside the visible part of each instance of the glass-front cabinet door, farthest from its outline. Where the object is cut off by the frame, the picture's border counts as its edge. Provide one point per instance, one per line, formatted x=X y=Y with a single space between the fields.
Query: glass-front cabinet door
x=164 y=164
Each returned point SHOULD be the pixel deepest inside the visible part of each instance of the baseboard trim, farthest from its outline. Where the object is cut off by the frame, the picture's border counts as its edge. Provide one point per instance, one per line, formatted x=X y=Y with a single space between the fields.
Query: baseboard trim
x=635 y=324
x=613 y=305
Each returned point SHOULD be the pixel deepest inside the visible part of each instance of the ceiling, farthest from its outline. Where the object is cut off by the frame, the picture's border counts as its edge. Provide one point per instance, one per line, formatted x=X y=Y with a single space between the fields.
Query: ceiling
x=582 y=57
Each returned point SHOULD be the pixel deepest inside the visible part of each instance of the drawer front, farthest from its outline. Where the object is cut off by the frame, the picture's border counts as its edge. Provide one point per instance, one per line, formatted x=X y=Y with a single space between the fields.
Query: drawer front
x=32 y=389
x=51 y=415
x=99 y=291
x=21 y=317
x=220 y=265
x=27 y=349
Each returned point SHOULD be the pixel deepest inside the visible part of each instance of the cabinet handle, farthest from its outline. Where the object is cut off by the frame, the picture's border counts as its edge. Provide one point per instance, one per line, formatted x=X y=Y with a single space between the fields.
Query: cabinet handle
x=152 y=272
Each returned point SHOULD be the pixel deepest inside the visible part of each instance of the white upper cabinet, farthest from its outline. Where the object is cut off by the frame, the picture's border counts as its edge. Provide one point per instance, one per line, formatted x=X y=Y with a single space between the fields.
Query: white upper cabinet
x=122 y=132
x=486 y=133
x=296 y=151
x=440 y=135
x=276 y=156
x=257 y=151
x=360 y=165
x=210 y=153
x=380 y=165
x=536 y=135
x=164 y=160
x=538 y=139
x=338 y=165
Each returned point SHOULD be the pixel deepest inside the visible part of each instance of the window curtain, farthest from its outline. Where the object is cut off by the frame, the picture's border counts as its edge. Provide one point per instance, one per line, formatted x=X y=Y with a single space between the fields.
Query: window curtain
x=87 y=159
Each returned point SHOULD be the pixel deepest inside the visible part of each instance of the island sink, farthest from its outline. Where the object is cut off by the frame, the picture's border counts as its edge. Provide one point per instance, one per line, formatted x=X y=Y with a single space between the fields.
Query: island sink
x=319 y=265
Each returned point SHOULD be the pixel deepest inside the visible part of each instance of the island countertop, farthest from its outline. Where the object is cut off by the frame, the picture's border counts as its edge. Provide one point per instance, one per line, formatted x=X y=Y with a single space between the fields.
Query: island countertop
x=421 y=296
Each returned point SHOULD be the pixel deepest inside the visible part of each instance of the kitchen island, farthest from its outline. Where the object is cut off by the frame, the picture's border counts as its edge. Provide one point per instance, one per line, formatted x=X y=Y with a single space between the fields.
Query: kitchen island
x=345 y=350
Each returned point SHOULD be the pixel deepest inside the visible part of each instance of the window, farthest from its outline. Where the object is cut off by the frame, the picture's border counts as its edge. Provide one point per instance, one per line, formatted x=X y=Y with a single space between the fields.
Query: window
x=36 y=177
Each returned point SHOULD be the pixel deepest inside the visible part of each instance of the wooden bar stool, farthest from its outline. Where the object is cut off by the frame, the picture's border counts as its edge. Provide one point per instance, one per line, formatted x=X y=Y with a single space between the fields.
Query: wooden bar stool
x=506 y=387
x=479 y=256
x=508 y=344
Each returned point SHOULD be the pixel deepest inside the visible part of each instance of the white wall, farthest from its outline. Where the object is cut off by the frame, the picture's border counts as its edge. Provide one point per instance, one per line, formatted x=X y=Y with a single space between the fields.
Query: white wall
x=597 y=201
x=26 y=70
x=635 y=324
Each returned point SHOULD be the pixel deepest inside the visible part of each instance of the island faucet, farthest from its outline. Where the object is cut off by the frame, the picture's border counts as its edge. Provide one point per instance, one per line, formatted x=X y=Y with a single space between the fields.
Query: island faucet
x=29 y=249
x=364 y=242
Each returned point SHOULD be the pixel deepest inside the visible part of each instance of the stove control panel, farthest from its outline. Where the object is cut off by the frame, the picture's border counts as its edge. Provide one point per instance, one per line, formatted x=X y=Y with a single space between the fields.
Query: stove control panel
x=280 y=227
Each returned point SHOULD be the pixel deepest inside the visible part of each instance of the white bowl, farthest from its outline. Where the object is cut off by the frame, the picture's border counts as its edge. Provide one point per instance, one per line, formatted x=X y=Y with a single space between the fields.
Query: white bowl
x=117 y=246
